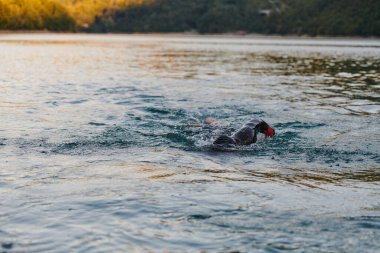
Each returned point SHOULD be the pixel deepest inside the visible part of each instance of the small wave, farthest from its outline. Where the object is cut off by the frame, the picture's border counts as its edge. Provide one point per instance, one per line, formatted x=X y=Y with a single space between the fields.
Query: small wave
x=298 y=125
x=366 y=222
x=112 y=137
x=78 y=101
x=366 y=109
x=157 y=110
x=96 y=124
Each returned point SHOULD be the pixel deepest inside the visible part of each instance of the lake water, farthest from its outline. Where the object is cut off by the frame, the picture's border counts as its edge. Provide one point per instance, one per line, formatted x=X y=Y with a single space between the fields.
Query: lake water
x=104 y=145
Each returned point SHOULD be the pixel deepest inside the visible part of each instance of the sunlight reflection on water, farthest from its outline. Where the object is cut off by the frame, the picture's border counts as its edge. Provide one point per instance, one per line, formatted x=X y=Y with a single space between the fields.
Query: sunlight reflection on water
x=104 y=146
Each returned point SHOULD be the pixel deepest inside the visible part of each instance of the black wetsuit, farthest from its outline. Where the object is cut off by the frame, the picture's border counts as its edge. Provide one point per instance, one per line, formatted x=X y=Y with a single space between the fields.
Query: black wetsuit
x=247 y=134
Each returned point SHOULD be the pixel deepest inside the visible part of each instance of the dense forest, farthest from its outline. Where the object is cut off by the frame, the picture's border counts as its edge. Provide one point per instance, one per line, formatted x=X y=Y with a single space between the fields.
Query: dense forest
x=312 y=17
x=54 y=15
x=35 y=15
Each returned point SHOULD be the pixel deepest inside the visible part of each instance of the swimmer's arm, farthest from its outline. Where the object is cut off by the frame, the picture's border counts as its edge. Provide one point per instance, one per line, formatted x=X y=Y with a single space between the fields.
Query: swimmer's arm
x=213 y=122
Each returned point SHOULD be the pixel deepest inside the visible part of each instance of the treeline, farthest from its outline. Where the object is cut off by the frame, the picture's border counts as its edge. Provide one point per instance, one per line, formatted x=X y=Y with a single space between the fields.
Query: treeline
x=311 y=17
x=326 y=17
x=85 y=11
x=210 y=16
x=54 y=15
x=35 y=15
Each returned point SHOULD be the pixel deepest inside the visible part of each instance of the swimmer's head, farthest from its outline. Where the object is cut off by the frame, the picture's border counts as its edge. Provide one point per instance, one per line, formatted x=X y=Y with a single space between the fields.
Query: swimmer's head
x=265 y=129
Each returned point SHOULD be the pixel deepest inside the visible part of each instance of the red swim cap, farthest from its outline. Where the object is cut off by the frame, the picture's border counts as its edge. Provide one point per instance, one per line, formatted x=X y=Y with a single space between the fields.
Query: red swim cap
x=269 y=132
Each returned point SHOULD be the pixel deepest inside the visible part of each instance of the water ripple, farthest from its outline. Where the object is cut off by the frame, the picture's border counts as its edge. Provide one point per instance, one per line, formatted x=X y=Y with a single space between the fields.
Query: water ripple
x=108 y=146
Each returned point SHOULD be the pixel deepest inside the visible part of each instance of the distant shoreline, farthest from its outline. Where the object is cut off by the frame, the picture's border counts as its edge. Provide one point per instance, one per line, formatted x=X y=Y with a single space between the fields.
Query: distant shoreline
x=237 y=34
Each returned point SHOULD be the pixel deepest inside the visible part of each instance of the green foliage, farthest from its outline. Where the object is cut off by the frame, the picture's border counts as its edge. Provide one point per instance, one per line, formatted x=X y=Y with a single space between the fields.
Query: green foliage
x=326 y=17
x=312 y=17
x=174 y=16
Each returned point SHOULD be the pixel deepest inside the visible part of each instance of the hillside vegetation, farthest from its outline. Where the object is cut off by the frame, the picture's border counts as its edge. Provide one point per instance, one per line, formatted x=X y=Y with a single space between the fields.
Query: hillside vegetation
x=85 y=11
x=56 y=15
x=312 y=17
x=35 y=15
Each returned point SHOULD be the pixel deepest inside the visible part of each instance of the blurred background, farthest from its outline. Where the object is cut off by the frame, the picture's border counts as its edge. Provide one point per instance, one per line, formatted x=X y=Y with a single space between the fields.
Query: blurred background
x=285 y=17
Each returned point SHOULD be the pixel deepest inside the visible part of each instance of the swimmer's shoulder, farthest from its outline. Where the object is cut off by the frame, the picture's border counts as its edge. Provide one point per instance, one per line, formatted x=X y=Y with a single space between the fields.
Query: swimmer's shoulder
x=253 y=122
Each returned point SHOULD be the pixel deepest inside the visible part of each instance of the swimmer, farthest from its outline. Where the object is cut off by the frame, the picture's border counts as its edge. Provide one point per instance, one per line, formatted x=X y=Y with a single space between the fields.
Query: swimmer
x=247 y=134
